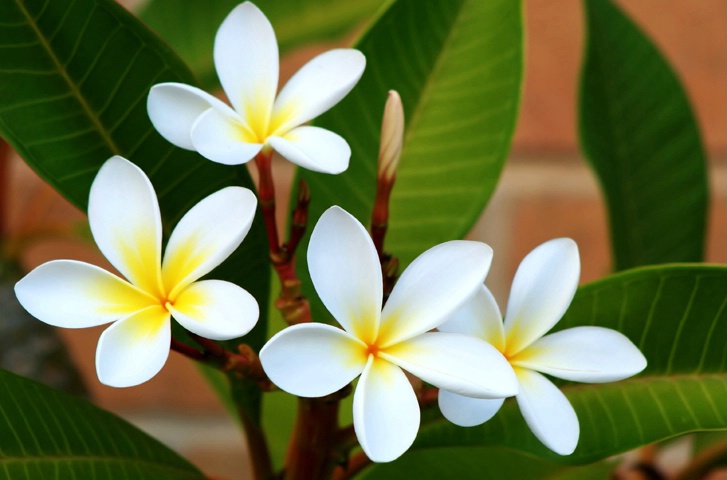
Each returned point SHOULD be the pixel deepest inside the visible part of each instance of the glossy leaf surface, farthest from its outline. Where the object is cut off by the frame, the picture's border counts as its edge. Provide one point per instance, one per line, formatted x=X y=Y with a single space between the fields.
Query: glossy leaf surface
x=457 y=65
x=74 y=77
x=640 y=135
x=47 y=434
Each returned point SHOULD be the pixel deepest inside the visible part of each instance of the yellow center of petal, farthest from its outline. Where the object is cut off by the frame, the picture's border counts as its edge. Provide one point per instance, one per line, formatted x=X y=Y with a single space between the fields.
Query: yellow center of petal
x=262 y=123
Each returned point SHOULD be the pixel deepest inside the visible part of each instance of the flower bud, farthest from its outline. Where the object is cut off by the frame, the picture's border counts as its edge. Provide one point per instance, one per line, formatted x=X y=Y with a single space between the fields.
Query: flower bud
x=392 y=135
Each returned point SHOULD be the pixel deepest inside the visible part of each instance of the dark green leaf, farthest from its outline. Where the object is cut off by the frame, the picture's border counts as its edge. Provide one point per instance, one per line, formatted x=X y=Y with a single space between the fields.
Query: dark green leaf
x=457 y=65
x=639 y=133
x=74 y=77
x=47 y=434
x=675 y=315
x=190 y=27
x=476 y=463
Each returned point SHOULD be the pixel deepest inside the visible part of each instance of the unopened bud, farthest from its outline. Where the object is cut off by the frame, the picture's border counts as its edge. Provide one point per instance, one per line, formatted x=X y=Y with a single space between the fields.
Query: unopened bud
x=392 y=136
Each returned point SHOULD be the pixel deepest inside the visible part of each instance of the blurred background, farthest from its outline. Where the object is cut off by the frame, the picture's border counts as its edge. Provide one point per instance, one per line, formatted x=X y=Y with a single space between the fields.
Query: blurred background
x=546 y=191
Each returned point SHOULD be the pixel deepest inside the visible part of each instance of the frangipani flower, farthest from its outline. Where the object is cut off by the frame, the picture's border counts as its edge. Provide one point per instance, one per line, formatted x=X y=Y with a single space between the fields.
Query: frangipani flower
x=542 y=290
x=314 y=359
x=246 y=59
x=123 y=213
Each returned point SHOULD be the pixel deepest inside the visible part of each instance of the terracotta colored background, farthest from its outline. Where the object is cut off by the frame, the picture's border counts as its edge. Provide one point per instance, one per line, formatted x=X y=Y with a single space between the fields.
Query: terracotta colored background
x=546 y=191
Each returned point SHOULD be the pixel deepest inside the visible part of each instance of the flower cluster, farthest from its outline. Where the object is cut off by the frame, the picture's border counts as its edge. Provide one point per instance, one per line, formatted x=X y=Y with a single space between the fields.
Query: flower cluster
x=439 y=324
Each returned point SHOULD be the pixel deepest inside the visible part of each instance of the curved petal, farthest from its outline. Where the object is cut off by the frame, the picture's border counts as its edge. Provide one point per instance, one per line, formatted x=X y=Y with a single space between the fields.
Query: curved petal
x=313 y=359
x=123 y=213
x=221 y=137
x=583 y=354
x=542 y=290
x=345 y=271
x=385 y=411
x=467 y=411
x=547 y=412
x=71 y=294
x=216 y=309
x=206 y=235
x=174 y=107
x=455 y=362
x=314 y=148
x=246 y=59
x=433 y=286
x=479 y=317
x=134 y=349
x=317 y=86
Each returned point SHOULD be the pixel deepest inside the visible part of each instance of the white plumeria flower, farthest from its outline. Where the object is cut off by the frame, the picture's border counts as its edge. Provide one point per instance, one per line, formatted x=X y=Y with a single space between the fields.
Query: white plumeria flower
x=542 y=290
x=314 y=359
x=123 y=213
x=246 y=59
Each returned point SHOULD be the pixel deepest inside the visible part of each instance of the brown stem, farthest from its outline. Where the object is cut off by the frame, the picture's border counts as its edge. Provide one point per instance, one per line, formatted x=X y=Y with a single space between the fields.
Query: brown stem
x=355 y=464
x=427 y=397
x=311 y=453
x=188 y=351
x=266 y=192
x=380 y=214
x=262 y=465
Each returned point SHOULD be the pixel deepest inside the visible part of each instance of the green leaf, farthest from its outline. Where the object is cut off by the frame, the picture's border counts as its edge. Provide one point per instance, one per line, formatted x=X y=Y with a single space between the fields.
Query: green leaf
x=190 y=27
x=476 y=463
x=47 y=434
x=675 y=315
x=457 y=65
x=74 y=77
x=640 y=135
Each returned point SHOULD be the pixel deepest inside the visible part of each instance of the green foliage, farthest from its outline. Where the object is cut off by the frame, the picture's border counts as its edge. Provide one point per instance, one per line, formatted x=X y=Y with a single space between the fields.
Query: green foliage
x=675 y=315
x=47 y=434
x=476 y=463
x=639 y=133
x=190 y=26
x=73 y=83
x=458 y=68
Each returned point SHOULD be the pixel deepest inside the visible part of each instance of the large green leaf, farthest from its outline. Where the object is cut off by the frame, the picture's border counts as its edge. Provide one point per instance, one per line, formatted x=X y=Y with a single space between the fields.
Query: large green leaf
x=73 y=83
x=190 y=27
x=476 y=463
x=639 y=133
x=457 y=65
x=48 y=434
x=675 y=315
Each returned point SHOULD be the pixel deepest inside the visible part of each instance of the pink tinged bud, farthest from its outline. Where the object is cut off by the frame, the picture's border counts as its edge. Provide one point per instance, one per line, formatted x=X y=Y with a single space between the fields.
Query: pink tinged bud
x=392 y=135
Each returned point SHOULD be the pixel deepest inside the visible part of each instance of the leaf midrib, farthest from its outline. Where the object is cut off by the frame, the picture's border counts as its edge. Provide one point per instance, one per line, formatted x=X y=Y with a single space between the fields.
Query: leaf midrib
x=61 y=69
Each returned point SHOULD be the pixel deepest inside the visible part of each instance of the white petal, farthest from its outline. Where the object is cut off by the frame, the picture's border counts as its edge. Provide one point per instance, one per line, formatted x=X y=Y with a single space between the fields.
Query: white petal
x=346 y=273
x=123 y=213
x=206 y=235
x=134 y=349
x=385 y=411
x=319 y=85
x=221 y=137
x=174 y=107
x=246 y=59
x=313 y=148
x=433 y=286
x=480 y=317
x=583 y=354
x=216 y=309
x=547 y=412
x=71 y=294
x=455 y=362
x=312 y=359
x=542 y=290
x=467 y=411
